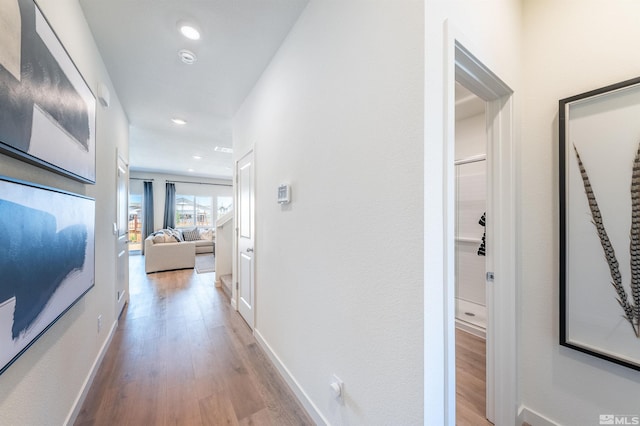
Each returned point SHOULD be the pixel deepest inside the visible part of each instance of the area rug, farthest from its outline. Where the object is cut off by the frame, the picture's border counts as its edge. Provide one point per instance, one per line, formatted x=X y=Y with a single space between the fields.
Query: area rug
x=205 y=263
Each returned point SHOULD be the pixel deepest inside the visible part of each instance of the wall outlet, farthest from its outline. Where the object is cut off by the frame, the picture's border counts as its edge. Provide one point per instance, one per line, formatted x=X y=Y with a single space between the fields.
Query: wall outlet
x=99 y=323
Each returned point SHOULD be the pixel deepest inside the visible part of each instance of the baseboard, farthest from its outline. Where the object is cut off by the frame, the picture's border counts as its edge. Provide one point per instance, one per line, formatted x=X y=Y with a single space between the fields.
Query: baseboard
x=77 y=405
x=226 y=291
x=303 y=398
x=234 y=304
x=471 y=329
x=534 y=419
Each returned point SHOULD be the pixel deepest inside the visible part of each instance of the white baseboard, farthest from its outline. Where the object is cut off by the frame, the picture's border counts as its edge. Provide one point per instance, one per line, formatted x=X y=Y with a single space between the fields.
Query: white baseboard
x=77 y=405
x=303 y=398
x=533 y=418
x=471 y=329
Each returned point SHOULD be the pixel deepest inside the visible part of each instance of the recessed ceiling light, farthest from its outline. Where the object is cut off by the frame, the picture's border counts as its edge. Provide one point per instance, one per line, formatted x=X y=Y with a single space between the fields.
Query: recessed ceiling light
x=189 y=31
x=197 y=157
x=190 y=170
x=187 y=56
x=223 y=149
x=178 y=121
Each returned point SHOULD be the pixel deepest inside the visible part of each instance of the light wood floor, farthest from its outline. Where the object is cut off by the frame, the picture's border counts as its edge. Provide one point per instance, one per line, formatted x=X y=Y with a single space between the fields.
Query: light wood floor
x=470 y=380
x=182 y=356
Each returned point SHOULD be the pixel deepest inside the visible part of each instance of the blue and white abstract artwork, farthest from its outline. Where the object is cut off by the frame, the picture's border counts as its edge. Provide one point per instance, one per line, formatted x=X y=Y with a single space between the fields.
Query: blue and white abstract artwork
x=48 y=111
x=47 y=260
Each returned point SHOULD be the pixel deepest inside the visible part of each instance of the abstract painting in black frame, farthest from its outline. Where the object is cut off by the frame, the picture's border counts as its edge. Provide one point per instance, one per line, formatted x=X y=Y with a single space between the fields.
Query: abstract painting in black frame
x=47 y=260
x=599 y=182
x=47 y=111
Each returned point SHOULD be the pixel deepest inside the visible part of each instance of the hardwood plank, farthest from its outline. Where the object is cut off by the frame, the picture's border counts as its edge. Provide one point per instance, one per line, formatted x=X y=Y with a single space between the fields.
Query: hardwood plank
x=182 y=404
x=470 y=380
x=261 y=418
x=181 y=356
x=217 y=410
x=284 y=411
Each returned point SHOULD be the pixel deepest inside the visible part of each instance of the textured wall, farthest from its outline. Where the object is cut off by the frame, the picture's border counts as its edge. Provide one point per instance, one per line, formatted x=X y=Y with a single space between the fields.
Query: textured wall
x=41 y=387
x=338 y=114
x=569 y=48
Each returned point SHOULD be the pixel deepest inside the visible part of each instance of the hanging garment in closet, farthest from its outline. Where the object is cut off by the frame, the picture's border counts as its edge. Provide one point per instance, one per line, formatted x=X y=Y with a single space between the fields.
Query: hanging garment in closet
x=483 y=222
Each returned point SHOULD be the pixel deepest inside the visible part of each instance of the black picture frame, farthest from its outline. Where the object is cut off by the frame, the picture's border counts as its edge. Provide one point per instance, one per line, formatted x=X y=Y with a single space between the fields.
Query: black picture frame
x=599 y=199
x=47 y=110
x=47 y=260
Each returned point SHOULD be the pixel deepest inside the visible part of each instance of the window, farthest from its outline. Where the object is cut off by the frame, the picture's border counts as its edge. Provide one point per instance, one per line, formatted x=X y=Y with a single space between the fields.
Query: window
x=225 y=205
x=194 y=210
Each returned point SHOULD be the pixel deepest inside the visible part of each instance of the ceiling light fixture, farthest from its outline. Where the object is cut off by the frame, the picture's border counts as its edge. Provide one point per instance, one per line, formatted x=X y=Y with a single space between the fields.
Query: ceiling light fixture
x=187 y=56
x=178 y=121
x=190 y=170
x=197 y=157
x=223 y=149
x=189 y=31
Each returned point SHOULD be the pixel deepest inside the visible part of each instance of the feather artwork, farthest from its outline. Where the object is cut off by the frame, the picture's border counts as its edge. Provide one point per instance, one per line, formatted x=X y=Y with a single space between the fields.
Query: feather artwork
x=634 y=240
x=631 y=310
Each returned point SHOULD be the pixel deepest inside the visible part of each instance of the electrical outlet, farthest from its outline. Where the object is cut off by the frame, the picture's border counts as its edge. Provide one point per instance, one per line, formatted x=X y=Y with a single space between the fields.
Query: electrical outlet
x=99 y=323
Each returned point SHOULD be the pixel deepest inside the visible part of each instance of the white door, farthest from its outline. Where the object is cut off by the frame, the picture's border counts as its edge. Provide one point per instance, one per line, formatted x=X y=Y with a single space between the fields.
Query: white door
x=122 y=227
x=246 y=235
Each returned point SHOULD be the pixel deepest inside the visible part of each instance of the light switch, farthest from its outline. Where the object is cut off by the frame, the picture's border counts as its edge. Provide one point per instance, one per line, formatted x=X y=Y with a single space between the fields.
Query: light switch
x=284 y=193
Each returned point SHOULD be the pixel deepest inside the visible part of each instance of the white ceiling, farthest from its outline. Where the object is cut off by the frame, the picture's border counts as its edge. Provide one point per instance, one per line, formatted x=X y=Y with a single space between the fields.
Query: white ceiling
x=139 y=41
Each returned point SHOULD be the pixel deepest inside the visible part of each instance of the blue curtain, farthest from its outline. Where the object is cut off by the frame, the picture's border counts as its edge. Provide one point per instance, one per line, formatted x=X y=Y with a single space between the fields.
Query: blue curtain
x=170 y=206
x=147 y=211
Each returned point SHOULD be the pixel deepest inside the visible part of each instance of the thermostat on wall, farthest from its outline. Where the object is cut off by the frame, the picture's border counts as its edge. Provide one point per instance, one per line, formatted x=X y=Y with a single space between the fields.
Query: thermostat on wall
x=284 y=193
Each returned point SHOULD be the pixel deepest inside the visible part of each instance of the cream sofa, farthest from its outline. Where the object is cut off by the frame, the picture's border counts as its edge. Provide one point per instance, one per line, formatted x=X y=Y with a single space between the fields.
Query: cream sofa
x=204 y=246
x=168 y=256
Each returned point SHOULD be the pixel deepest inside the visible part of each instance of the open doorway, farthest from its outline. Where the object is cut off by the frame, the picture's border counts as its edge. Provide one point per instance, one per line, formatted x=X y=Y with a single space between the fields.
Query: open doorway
x=471 y=73
x=470 y=255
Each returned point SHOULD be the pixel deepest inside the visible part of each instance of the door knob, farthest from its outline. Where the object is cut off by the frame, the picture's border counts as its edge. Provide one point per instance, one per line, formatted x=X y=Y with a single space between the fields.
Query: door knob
x=249 y=250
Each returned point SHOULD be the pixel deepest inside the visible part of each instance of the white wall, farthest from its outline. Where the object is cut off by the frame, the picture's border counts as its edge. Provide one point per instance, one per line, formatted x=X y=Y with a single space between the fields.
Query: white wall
x=491 y=30
x=42 y=385
x=338 y=114
x=569 y=48
x=218 y=188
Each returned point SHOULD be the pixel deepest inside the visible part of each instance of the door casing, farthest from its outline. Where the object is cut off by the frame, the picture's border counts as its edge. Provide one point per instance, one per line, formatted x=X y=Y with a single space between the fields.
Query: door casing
x=463 y=66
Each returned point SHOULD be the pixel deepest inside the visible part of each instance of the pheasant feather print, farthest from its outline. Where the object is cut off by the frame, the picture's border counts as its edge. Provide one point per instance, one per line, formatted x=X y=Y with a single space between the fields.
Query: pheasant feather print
x=631 y=308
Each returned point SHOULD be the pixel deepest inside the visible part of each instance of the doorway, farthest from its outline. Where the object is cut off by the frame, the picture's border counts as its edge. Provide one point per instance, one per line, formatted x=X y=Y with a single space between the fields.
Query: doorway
x=470 y=255
x=471 y=73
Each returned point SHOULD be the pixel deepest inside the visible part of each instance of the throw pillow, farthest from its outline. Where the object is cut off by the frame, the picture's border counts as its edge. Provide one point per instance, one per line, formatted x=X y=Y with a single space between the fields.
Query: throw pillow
x=192 y=235
x=175 y=234
x=206 y=234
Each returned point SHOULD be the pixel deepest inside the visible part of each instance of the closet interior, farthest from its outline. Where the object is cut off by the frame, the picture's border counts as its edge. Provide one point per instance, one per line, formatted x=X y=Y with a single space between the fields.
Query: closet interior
x=471 y=195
